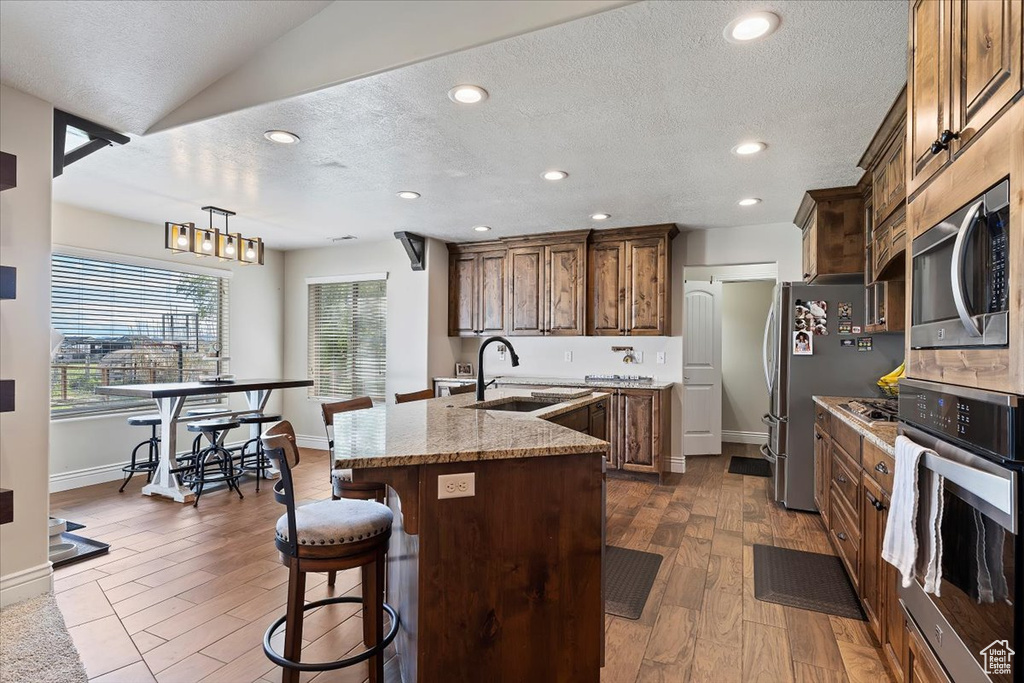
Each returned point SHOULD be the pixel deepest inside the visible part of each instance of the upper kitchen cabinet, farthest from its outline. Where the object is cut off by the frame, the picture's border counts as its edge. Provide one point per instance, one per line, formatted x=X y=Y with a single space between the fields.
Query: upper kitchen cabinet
x=476 y=289
x=628 y=281
x=545 y=293
x=833 y=233
x=965 y=67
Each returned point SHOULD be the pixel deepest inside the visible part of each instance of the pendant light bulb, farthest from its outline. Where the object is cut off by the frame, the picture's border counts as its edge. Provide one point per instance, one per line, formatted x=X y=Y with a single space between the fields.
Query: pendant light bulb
x=207 y=242
x=229 y=248
x=182 y=237
x=250 y=251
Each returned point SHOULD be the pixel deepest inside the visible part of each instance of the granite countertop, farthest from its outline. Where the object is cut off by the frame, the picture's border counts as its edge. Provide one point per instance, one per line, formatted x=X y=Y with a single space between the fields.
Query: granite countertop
x=516 y=380
x=447 y=429
x=882 y=435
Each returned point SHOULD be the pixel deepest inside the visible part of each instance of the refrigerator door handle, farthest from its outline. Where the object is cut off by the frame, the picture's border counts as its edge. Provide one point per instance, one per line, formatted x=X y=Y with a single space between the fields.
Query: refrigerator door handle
x=770 y=419
x=767 y=453
x=764 y=348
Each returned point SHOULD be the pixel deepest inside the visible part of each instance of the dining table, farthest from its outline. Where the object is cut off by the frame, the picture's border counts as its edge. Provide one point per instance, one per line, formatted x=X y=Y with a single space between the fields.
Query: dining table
x=170 y=397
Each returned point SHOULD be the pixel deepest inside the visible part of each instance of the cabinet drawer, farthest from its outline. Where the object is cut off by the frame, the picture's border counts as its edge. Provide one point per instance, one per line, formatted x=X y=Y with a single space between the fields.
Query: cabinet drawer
x=578 y=420
x=879 y=465
x=846 y=482
x=845 y=538
x=848 y=438
x=822 y=418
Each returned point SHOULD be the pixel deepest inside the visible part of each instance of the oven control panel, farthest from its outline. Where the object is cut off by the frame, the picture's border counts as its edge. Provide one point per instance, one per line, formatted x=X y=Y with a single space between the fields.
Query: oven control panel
x=980 y=421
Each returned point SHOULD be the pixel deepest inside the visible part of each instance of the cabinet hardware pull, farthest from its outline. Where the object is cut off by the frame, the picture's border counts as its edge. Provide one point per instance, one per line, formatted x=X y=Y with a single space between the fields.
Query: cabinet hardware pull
x=841 y=535
x=881 y=467
x=817 y=436
x=942 y=143
x=841 y=479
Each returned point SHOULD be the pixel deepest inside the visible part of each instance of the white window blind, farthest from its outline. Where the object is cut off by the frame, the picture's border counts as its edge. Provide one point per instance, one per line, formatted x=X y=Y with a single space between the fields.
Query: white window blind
x=347 y=338
x=126 y=323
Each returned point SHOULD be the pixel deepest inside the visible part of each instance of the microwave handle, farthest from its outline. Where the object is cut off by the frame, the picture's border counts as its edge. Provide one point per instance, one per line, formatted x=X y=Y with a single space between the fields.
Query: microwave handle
x=958 y=265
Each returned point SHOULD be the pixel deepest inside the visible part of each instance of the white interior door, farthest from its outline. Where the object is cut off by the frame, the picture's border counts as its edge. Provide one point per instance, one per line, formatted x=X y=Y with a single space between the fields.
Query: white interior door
x=702 y=368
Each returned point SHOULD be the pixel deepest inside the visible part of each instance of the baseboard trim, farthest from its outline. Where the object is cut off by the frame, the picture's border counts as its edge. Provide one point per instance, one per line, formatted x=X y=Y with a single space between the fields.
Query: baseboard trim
x=730 y=436
x=677 y=464
x=315 y=442
x=28 y=583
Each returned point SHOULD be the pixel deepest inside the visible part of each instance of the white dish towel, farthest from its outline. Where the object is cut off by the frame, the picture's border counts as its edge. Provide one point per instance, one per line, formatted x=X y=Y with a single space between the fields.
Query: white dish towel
x=931 y=485
x=899 y=545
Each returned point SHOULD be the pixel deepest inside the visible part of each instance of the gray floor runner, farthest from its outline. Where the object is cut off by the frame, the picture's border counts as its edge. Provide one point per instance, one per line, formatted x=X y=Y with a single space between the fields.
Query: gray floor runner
x=628 y=577
x=809 y=581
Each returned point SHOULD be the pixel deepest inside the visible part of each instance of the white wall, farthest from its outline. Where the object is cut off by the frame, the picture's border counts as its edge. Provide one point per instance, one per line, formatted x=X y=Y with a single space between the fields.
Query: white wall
x=744 y=399
x=89 y=450
x=778 y=242
x=26 y=130
x=545 y=356
x=410 y=335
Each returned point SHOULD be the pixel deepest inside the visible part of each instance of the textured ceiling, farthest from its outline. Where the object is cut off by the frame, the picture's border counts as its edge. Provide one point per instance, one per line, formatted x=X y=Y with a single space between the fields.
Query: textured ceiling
x=127 y=64
x=641 y=105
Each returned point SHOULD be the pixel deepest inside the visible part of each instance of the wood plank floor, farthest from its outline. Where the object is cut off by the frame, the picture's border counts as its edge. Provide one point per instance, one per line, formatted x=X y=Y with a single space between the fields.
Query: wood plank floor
x=185 y=594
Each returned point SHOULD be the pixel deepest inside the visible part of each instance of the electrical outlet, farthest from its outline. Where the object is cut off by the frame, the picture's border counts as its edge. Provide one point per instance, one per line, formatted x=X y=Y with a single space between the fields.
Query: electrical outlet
x=568 y=356
x=456 y=485
x=661 y=358
x=501 y=352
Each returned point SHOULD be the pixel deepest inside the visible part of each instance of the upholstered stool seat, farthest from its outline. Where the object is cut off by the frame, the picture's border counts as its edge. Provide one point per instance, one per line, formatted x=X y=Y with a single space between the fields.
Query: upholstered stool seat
x=336 y=522
x=339 y=478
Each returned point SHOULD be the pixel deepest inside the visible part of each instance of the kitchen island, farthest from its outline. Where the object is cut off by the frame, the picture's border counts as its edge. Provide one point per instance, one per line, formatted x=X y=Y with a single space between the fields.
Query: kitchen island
x=504 y=582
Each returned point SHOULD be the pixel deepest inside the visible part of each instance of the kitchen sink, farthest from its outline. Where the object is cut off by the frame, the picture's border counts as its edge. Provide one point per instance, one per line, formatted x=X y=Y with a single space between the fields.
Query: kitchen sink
x=514 y=405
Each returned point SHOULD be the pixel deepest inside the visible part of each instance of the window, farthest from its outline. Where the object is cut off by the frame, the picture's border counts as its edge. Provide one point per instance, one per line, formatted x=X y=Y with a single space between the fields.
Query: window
x=125 y=323
x=347 y=337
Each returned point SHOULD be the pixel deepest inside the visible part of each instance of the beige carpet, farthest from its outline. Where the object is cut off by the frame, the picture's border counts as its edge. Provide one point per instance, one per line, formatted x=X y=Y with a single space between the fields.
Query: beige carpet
x=35 y=644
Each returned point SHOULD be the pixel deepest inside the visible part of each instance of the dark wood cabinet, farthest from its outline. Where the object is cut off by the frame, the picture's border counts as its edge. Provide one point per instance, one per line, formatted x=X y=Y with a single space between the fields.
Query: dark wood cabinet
x=874 y=513
x=476 y=289
x=628 y=281
x=832 y=223
x=964 y=69
x=986 y=41
x=822 y=470
x=640 y=431
x=591 y=419
x=928 y=89
x=546 y=285
x=921 y=666
x=894 y=631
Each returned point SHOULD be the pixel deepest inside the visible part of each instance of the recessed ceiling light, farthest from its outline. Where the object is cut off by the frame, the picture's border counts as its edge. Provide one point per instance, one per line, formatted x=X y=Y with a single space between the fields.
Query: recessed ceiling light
x=282 y=137
x=751 y=27
x=600 y=216
x=749 y=201
x=747 y=148
x=481 y=228
x=409 y=194
x=467 y=94
x=555 y=175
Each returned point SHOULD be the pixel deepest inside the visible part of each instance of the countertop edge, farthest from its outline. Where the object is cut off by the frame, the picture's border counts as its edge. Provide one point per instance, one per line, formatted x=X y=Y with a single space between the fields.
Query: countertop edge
x=829 y=403
x=388 y=461
x=509 y=380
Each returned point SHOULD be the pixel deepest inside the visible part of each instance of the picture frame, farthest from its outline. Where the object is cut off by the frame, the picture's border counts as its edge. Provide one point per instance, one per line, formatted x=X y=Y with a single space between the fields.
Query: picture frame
x=464 y=370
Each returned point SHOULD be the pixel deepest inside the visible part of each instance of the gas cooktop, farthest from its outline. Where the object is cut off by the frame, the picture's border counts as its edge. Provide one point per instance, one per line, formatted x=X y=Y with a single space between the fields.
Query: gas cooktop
x=872 y=411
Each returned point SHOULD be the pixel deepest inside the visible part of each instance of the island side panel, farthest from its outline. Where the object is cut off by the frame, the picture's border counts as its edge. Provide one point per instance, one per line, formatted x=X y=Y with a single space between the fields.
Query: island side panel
x=510 y=579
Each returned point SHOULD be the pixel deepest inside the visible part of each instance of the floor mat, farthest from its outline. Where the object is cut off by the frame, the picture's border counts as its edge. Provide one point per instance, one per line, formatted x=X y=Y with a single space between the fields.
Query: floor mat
x=35 y=644
x=753 y=467
x=628 y=577
x=810 y=581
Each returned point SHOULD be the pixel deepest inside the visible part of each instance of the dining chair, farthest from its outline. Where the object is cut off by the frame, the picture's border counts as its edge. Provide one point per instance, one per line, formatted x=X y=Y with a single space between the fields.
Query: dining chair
x=414 y=396
x=342 y=485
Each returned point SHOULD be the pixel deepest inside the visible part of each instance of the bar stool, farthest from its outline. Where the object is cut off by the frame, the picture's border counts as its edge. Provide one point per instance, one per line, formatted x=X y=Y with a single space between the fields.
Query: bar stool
x=329 y=535
x=152 y=443
x=215 y=454
x=342 y=485
x=422 y=395
x=198 y=441
x=262 y=464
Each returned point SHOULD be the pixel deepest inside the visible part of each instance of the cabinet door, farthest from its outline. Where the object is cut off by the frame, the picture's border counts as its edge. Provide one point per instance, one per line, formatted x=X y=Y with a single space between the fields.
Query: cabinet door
x=599 y=420
x=525 y=313
x=822 y=475
x=614 y=430
x=641 y=438
x=646 y=291
x=607 y=288
x=928 y=88
x=872 y=529
x=921 y=665
x=888 y=182
x=563 y=292
x=463 y=295
x=492 y=292
x=894 y=633
x=986 y=61
x=810 y=252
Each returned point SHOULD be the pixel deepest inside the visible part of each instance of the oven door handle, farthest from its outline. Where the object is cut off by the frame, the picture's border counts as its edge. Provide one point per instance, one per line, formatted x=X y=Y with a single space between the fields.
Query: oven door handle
x=995 y=490
x=959 y=264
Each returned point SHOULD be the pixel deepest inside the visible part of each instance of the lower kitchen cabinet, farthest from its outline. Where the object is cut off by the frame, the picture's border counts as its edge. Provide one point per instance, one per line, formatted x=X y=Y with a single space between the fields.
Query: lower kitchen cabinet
x=921 y=665
x=640 y=438
x=822 y=470
x=874 y=513
x=591 y=420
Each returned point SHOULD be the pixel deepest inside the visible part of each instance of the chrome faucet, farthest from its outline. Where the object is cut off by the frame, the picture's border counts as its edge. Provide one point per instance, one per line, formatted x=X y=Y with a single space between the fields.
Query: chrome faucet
x=480 y=385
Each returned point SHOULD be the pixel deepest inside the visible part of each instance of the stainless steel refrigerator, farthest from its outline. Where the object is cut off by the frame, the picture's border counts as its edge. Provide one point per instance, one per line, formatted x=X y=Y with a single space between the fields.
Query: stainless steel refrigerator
x=793 y=375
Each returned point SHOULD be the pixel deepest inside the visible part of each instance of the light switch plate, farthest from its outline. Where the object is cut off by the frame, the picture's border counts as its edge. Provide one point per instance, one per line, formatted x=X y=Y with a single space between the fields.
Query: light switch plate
x=568 y=356
x=661 y=358
x=456 y=485
x=638 y=356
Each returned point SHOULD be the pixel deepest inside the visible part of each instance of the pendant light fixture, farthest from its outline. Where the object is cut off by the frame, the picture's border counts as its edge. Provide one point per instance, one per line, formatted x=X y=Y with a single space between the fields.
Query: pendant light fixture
x=211 y=241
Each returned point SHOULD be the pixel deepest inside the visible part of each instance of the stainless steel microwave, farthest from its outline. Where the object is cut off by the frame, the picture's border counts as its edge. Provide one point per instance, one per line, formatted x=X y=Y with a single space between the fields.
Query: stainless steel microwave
x=961 y=270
